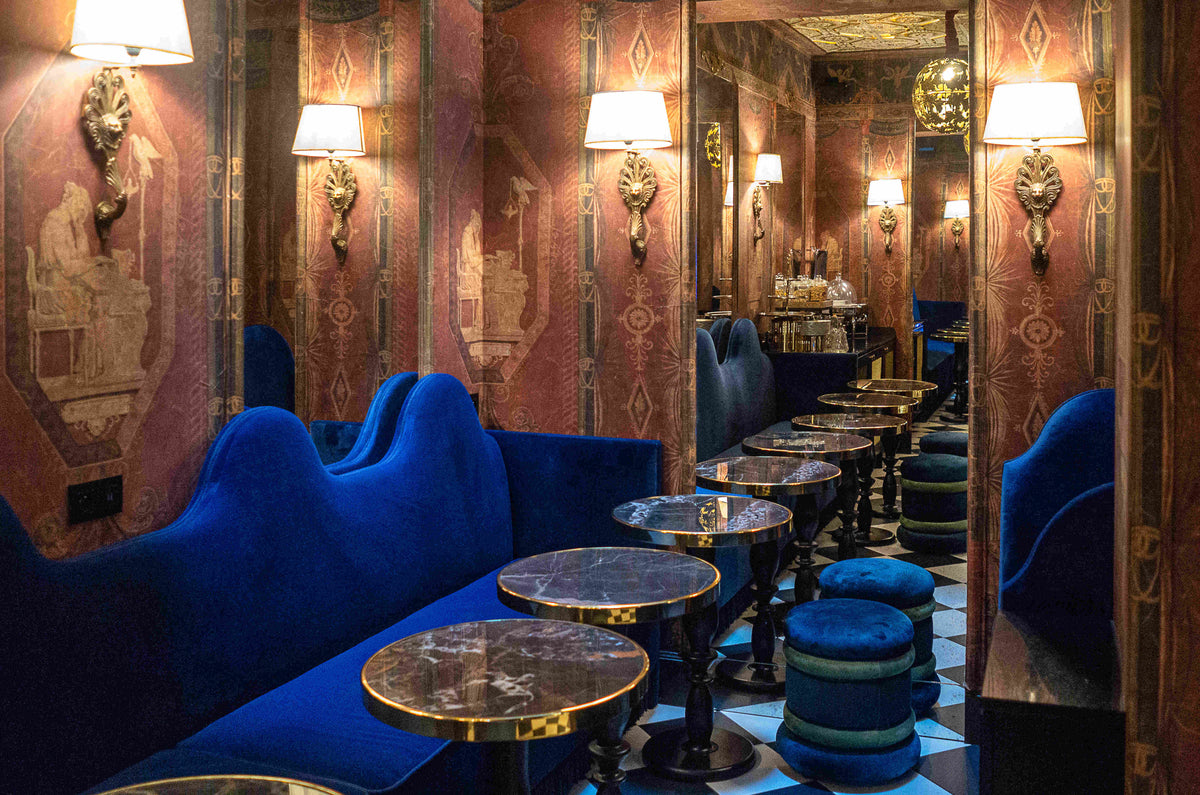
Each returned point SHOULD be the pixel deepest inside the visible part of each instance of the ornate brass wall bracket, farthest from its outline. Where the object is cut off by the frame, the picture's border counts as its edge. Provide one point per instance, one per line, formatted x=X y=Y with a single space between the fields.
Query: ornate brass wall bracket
x=957 y=228
x=106 y=115
x=340 y=189
x=712 y=145
x=637 y=184
x=757 y=206
x=887 y=222
x=1038 y=186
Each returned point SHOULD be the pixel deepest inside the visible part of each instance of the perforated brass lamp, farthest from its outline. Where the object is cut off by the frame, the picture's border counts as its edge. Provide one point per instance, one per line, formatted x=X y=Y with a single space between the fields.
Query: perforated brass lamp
x=129 y=33
x=886 y=193
x=957 y=209
x=335 y=132
x=768 y=171
x=1036 y=115
x=633 y=121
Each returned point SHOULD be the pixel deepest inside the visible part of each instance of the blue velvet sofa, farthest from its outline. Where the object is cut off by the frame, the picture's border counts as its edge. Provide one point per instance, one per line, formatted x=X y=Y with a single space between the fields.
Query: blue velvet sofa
x=269 y=369
x=231 y=641
x=1056 y=514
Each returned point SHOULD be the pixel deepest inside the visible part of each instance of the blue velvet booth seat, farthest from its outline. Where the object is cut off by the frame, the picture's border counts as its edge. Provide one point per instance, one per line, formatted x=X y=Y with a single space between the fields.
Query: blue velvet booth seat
x=848 y=714
x=909 y=589
x=1056 y=514
x=269 y=369
x=720 y=333
x=231 y=641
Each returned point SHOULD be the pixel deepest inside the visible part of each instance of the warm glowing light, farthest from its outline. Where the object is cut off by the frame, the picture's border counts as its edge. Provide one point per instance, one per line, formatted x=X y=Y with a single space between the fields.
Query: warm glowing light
x=1035 y=114
x=329 y=131
x=132 y=32
x=728 y=194
x=768 y=169
x=633 y=120
x=886 y=192
x=958 y=208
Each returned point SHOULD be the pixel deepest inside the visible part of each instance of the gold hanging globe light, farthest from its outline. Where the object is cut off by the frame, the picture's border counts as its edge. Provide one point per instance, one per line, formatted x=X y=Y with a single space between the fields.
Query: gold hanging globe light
x=942 y=91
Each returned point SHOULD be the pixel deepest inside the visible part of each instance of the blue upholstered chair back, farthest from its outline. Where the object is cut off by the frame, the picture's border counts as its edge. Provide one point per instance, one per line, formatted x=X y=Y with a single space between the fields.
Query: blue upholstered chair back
x=1073 y=454
x=379 y=428
x=275 y=566
x=269 y=370
x=720 y=334
x=734 y=398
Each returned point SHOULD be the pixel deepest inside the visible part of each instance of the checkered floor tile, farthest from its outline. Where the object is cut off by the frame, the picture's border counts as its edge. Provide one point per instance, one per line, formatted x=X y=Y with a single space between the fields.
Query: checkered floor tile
x=948 y=765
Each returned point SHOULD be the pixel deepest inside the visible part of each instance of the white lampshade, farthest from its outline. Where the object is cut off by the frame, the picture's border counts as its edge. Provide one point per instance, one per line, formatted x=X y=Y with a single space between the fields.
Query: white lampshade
x=885 y=191
x=329 y=131
x=958 y=208
x=132 y=32
x=768 y=169
x=627 y=120
x=1035 y=114
x=728 y=194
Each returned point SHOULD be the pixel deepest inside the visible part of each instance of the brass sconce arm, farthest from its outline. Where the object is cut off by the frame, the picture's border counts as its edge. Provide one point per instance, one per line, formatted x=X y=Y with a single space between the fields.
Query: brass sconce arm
x=106 y=115
x=340 y=189
x=757 y=206
x=1038 y=185
x=637 y=184
x=887 y=222
x=957 y=228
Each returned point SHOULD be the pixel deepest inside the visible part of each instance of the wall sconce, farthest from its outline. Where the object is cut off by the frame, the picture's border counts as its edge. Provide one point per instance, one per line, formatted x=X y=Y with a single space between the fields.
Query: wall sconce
x=129 y=33
x=958 y=209
x=886 y=192
x=1036 y=115
x=768 y=170
x=633 y=121
x=336 y=132
x=728 y=194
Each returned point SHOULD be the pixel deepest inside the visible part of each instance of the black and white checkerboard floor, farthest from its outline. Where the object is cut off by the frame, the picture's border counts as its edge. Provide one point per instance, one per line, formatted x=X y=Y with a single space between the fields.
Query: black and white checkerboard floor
x=948 y=765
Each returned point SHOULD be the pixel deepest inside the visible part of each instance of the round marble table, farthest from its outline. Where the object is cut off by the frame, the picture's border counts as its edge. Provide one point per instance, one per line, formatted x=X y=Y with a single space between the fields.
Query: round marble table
x=890 y=405
x=614 y=586
x=775 y=477
x=960 y=336
x=841 y=449
x=873 y=426
x=503 y=683
x=894 y=386
x=223 y=785
x=700 y=523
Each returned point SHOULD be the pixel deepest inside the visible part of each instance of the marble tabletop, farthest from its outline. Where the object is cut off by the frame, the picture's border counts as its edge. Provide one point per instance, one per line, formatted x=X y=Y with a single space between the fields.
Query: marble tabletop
x=765 y=475
x=896 y=386
x=952 y=334
x=850 y=422
x=608 y=586
x=504 y=680
x=817 y=445
x=223 y=785
x=874 y=401
x=703 y=520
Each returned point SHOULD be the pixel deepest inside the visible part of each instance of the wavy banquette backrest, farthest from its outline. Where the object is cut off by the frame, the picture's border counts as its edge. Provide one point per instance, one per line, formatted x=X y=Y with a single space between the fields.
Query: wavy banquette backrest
x=1073 y=453
x=720 y=333
x=735 y=398
x=379 y=428
x=274 y=567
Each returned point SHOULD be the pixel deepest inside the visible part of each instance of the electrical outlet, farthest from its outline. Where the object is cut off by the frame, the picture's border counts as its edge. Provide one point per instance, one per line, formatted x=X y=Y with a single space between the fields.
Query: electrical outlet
x=95 y=499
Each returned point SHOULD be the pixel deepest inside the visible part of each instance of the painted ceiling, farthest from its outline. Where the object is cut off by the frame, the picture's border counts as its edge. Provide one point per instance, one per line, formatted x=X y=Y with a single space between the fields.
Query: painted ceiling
x=899 y=31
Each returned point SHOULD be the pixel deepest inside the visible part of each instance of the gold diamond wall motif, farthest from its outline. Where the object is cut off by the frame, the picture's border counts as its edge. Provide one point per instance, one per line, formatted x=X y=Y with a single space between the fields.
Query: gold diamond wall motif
x=861 y=32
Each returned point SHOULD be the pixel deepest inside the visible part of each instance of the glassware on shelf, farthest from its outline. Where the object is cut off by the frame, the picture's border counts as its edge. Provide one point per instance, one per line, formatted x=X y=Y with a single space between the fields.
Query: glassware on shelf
x=836 y=340
x=781 y=290
x=841 y=291
x=818 y=290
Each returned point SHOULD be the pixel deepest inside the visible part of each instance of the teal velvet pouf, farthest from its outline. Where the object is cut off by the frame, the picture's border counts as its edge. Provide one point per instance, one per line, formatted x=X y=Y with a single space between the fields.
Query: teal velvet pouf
x=909 y=589
x=947 y=442
x=848 y=713
x=933 y=490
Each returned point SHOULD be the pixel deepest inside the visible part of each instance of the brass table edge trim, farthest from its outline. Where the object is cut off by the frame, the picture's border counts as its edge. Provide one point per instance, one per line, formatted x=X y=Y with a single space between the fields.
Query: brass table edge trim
x=160 y=782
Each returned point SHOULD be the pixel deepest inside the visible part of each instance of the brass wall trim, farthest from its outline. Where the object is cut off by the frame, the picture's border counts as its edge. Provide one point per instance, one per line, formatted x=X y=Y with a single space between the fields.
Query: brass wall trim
x=340 y=189
x=757 y=205
x=1038 y=185
x=637 y=185
x=106 y=115
x=887 y=222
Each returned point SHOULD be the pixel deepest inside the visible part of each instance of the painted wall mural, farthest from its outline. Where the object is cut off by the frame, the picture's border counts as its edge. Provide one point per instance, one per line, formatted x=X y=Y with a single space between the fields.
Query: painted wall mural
x=1035 y=343
x=121 y=356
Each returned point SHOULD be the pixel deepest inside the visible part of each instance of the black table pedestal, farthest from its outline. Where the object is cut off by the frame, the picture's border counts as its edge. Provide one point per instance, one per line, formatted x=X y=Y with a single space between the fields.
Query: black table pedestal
x=868 y=535
x=505 y=768
x=806 y=516
x=960 y=379
x=608 y=749
x=847 y=511
x=698 y=752
x=760 y=674
x=890 y=446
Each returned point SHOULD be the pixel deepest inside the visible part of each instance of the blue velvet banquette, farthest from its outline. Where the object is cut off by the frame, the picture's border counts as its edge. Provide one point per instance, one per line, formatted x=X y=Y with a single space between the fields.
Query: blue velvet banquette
x=231 y=641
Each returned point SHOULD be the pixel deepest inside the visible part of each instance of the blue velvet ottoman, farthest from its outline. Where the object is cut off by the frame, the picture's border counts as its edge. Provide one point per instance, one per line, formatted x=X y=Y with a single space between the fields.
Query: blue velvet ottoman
x=946 y=442
x=907 y=588
x=848 y=714
x=933 y=489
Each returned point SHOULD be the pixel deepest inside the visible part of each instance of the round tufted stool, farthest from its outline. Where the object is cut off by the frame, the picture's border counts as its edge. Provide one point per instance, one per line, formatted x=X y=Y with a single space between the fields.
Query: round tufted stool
x=934 y=492
x=907 y=588
x=848 y=714
x=947 y=442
